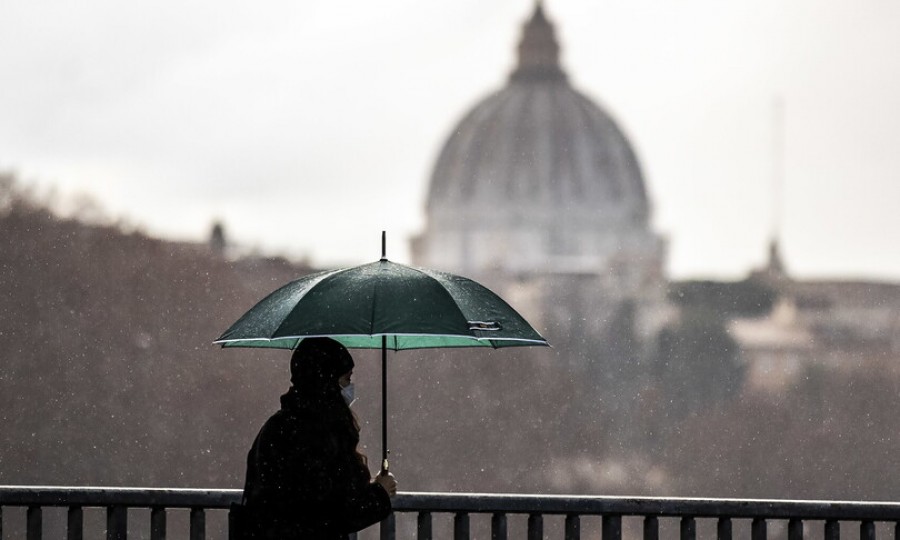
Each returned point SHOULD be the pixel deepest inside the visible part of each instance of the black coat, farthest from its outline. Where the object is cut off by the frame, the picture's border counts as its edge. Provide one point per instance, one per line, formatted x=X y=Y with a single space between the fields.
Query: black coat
x=304 y=476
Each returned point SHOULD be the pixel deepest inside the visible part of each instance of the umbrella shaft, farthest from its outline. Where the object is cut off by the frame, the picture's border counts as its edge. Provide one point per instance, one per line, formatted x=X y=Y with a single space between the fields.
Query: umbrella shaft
x=384 y=442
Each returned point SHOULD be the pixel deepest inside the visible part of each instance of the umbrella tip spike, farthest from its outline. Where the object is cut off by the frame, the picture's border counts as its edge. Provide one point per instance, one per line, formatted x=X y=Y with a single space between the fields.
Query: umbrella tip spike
x=383 y=246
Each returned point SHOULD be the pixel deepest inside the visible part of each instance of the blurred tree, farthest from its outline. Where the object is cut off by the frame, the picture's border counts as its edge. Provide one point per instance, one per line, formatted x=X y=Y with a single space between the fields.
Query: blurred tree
x=697 y=363
x=833 y=436
x=108 y=375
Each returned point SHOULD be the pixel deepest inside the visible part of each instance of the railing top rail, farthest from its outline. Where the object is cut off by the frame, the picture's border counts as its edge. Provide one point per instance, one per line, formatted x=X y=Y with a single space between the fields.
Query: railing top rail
x=642 y=506
x=474 y=503
x=118 y=496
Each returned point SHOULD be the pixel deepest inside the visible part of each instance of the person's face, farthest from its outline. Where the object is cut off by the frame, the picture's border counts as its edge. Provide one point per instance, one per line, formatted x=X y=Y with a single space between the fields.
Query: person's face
x=344 y=379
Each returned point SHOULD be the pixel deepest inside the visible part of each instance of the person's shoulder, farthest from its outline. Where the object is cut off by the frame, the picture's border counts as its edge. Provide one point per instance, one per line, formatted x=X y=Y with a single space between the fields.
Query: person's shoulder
x=281 y=422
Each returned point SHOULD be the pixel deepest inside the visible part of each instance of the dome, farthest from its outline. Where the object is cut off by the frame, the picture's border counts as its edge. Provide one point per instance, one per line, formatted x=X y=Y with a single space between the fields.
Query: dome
x=536 y=178
x=539 y=143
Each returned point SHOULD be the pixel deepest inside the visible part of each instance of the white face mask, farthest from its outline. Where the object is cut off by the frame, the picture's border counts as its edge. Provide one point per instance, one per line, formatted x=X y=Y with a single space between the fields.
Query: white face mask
x=349 y=394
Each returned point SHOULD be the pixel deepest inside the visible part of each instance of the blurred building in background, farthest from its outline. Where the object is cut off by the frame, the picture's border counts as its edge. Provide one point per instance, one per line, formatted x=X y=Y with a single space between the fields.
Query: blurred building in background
x=539 y=194
x=816 y=325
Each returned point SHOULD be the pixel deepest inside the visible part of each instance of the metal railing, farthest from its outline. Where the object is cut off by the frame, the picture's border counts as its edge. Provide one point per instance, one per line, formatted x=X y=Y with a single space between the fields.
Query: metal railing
x=607 y=513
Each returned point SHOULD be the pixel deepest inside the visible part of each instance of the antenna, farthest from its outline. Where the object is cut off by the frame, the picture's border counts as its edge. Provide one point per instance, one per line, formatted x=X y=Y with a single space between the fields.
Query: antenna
x=777 y=166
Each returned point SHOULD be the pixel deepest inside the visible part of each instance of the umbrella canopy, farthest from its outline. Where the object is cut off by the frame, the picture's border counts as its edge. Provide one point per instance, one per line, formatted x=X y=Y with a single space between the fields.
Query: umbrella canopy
x=383 y=305
x=413 y=308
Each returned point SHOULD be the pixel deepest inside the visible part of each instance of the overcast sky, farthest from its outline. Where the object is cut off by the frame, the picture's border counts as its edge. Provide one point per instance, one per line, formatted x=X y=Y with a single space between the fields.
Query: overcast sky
x=308 y=127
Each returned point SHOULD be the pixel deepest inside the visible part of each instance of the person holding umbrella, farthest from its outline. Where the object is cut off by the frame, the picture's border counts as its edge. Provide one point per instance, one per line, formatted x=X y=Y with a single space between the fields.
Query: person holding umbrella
x=305 y=475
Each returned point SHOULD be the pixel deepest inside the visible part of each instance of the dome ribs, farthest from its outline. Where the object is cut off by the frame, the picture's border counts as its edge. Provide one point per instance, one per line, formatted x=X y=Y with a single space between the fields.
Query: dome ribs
x=575 y=181
x=525 y=156
x=539 y=144
x=624 y=179
x=548 y=169
x=510 y=128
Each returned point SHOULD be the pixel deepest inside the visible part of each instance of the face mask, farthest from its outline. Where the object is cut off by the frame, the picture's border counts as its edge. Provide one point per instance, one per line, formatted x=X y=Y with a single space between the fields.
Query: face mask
x=349 y=394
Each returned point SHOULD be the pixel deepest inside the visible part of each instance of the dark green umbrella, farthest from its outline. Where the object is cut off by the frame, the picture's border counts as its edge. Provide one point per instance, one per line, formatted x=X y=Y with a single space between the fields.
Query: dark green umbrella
x=383 y=305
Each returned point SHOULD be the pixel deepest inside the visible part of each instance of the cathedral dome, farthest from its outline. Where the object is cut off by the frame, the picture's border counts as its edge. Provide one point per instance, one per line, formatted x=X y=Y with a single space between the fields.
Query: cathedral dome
x=536 y=178
x=539 y=143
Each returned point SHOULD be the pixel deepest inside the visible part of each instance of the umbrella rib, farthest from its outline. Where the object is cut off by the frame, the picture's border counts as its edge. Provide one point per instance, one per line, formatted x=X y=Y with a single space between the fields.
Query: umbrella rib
x=435 y=277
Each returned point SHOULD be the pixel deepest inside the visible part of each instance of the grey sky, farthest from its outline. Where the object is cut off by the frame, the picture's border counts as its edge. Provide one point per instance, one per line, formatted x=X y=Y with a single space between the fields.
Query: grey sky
x=310 y=127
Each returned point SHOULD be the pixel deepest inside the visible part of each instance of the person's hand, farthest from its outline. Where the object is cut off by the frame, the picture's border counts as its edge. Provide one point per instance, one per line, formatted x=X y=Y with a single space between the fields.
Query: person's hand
x=388 y=482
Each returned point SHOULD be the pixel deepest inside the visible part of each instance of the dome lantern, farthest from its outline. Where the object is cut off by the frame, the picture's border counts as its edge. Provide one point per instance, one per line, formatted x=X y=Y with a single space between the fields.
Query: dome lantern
x=538 y=49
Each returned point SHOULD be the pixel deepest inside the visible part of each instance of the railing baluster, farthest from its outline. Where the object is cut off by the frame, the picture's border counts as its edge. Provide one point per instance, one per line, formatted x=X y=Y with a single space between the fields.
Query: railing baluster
x=758 y=529
x=573 y=527
x=116 y=523
x=832 y=530
x=688 y=528
x=158 y=523
x=75 y=523
x=198 y=524
x=388 y=528
x=35 y=523
x=535 y=527
x=461 y=526
x=612 y=527
x=498 y=526
x=795 y=529
x=651 y=528
x=424 y=528
x=723 y=529
x=867 y=530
